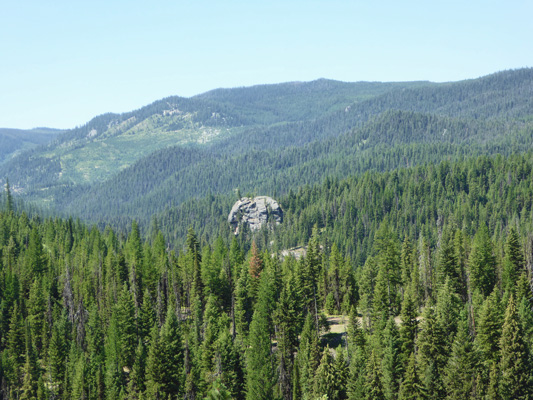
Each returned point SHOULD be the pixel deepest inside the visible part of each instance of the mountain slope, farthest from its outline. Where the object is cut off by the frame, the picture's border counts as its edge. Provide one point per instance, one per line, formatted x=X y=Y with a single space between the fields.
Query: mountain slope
x=13 y=141
x=271 y=141
x=112 y=142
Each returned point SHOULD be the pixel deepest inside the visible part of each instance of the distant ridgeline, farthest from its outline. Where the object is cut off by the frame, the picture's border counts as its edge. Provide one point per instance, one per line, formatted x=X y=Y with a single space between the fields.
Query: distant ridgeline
x=273 y=139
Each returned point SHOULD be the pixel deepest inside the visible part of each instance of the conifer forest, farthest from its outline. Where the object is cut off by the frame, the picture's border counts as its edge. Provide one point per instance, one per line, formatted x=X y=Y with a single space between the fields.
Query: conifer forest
x=402 y=269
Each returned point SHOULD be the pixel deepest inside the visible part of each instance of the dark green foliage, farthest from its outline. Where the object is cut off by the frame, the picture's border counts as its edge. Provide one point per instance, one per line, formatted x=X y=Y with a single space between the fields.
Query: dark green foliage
x=516 y=377
x=409 y=326
x=411 y=387
x=112 y=316
x=488 y=328
x=482 y=263
x=432 y=348
x=392 y=363
x=513 y=262
x=260 y=372
x=374 y=379
x=462 y=368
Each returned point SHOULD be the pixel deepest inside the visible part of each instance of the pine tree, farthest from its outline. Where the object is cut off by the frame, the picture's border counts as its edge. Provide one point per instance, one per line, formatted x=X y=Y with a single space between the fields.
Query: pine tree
x=432 y=353
x=516 y=374
x=125 y=315
x=218 y=391
x=114 y=372
x=172 y=358
x=230 y=364
x=388 y=259
x=30 y=370
x=57 y=354
x=260 y=376
x=34 y=260
x=95 y=353
x=513 y=262
x=15 y=341
x=79 y=379
x=488 y=328
x=136 y=385
x=147 y=317
x=36 y=313
x=327 y=381
x=411 y=388
x=308 y=355
x=358 y=373
x=447 y=309
x=154 y=367
x=447 y=263
x=391 y=362
x=409 y=326
x=374 y=379
x=243 y=306
x=255 y=266
x=287 y=322
x=482 y=263
x=461 y=370
x=493 y=390
x=9 y=198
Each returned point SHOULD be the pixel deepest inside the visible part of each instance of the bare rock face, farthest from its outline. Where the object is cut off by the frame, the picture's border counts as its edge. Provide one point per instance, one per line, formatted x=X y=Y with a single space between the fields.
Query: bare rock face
x=254 y=212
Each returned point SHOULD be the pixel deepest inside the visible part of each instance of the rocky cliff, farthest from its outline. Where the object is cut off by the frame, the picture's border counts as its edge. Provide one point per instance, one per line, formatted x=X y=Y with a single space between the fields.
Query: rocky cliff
x=254 y=212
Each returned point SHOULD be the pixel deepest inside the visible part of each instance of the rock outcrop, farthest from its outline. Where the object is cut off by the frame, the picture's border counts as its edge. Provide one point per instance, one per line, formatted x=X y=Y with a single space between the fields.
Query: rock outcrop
x=254 y=212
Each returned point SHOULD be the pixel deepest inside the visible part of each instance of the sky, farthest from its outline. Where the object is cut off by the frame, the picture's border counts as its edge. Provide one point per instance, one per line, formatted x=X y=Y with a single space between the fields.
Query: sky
x=65 y=62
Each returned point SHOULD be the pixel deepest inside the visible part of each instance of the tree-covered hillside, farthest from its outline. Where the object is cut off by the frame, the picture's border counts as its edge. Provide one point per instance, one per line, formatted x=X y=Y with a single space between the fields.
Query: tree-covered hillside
x=391 y=140
x=270 y=138
x=111 y=142
x=14 y=141
x=416 y=283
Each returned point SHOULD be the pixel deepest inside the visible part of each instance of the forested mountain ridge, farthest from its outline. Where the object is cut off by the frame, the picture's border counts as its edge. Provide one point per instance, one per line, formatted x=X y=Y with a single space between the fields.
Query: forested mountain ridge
x=278 y=137
x=391 y=140
x=110 y=142
x=14 y=141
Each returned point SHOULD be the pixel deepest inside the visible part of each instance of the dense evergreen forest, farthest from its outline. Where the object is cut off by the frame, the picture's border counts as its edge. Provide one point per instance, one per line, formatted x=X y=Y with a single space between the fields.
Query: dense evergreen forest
x=416 y=283
x=270 y=139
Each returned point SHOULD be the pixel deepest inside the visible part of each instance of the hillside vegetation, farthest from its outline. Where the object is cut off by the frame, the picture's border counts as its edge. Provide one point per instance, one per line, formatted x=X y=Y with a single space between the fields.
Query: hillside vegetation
x=14 y=141
x=431 y=267
x=268 y=139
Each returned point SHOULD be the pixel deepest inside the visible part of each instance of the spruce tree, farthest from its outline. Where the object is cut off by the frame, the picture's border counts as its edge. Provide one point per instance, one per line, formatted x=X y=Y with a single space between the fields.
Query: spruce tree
x=409 y=326
x=462 y=368
x=391 y=363
x=482 y=263
x=432 y=353
x=513 y=262
x=125 y=315
x=489 y=328
x=9 y=198
x=411 y=388
x=260 y=374
x=374 y=379
x=515 y=369
x=172 y=357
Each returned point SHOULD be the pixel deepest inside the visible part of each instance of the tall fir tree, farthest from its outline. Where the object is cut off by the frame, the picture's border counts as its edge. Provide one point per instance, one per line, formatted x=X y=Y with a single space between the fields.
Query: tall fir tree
x=513 y=262
x=516 y=376
x=260 y=373
x=411 y=387
x=482 y=263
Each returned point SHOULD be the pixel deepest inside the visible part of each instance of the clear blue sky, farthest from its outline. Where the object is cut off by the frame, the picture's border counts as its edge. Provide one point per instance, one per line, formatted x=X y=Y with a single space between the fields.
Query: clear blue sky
x=64 y=62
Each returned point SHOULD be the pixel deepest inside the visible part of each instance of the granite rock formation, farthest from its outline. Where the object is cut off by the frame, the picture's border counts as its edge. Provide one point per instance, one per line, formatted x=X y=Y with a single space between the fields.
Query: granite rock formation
x=254 y=212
